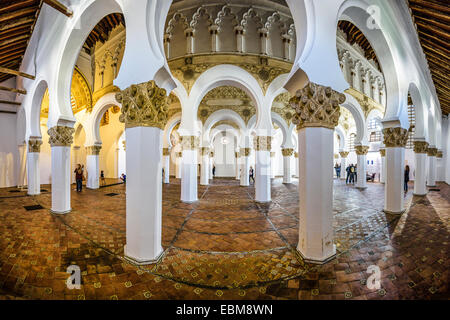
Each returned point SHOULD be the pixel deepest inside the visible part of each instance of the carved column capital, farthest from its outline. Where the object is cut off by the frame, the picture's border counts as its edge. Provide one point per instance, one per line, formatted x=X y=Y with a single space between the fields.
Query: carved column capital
x=211 y=154
x=439 y=154
x=361 y=150
x=316 y=106
x=34 y=145
x=287 y=152
x=245 y=152
x=343 y=154
x=93 y=150
x=296 y=154
x=262 y=143
x=205 y=151
x=420 y=147
x=395 y=137
x=383 y=152
x=166 y=152
x=236 y=154
x=143 y=105
x=432 y=152
x=190 y=142
x=60 y=136
x=179 y=154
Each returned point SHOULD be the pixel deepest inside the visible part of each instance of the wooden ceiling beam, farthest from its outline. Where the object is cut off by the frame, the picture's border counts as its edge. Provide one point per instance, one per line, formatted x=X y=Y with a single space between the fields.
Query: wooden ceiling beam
x=431 y=13
x=15 y=23
x=9 y=41
x=433 y=29
x=10 y=102
x=19 y=91
x=443 y=44
x=430 y=5
x=17 y=14
x=434 y=51
x=59 y=7
x=16 y=73
x=17 y=5
x=433 y=22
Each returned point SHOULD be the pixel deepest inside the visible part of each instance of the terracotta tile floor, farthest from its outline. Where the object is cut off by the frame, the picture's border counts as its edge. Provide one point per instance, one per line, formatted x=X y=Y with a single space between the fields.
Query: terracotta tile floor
x=225 y=246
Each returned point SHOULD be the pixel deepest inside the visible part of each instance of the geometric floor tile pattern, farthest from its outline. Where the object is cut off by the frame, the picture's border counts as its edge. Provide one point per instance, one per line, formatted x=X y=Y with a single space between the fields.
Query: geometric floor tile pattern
x=225 y=246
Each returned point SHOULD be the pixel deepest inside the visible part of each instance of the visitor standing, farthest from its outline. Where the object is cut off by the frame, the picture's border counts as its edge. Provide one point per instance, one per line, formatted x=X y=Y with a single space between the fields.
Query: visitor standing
x=251 y=175
x=79 y=177
x=405 y=185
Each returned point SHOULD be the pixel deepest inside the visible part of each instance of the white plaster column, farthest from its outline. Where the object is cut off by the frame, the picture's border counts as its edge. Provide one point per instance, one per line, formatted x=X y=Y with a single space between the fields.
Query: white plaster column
x=167 y=38
x=420 y=180
x=116 y=163
x=213 y=30
x=204 y=174
x=317 y=109
x=237 y=166
x=395 y=139
x=60 y=141
x=93 y=166
x=189 y=169
x=344 y=155
x=22 y=165
x=383 y=166
x=189 y=33
x=166 y=165
x=297 y=169
x=272 y=165
x=245 y=166
x=432 y=152
x=361 y=153
x=287 y=46
x=262 y=171
x=287 y=155
x=33 y=170
x=263 y=33
x=239 y=38
x=179 y=156
x=143 y=166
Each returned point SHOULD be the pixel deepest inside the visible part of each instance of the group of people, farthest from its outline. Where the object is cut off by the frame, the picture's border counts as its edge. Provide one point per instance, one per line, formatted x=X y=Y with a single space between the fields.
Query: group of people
x=352 y=175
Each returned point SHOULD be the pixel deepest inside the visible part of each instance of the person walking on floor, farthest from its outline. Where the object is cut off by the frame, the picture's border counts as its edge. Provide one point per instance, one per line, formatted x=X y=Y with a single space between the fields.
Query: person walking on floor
x=406 y=179
x=352 y=174
x=347 y=170
x=250 y=175
x=214 y=170
x=79 y=177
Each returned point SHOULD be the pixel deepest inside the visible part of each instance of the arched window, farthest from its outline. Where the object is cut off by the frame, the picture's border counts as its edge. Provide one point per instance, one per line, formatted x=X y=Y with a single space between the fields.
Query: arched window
x=375 y=136
x=351 y=142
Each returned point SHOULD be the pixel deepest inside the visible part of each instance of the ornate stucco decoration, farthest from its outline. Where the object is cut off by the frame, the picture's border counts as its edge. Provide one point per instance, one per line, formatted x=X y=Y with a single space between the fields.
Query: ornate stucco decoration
x=211 y=154
x=281 y=106
x=34 y=145
x=316 y=106
x=93 y=150
x=361 y=150
x=287 y=152
x=166 y=152
x=245 y=152
x=189 y=142
x=236 y=154
x=420 y=147
x=432 y=152
x=124 y=143
x=272 y=154
x=225 y=122
x=101 y=92
x=395 y=137
x=383 y=152
x=264 y=69
x=60 y=136
x=179 y=154
x=143 y=105
x=296 y=154
x=262 y=143
x=343 y=154
x=336 y=156
x=439 y=154
x=367 y=103
x=206 y=151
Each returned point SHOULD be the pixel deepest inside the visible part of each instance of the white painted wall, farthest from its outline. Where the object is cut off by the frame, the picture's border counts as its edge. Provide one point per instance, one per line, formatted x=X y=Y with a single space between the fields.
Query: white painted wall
x=446 y=144
x=9 y=154
x=224 y=158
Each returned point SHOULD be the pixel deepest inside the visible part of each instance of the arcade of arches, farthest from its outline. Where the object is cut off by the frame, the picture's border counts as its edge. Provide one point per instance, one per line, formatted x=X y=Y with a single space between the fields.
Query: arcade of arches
x=226 y=152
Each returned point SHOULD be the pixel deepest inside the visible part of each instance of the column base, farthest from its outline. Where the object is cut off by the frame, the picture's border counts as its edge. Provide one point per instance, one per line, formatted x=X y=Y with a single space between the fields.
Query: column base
x=394 y=213
x=60 y=212
x=318 y=261
x=361 y=188
x=189 y=201
x=265 y=201
x=142 y=262
x=432 y=186
x=419 y=195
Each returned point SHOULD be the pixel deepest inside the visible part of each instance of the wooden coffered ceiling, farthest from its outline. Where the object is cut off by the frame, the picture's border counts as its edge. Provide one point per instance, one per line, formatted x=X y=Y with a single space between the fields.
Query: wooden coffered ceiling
x=17 y=19
x=102 y=30
x=354 y=35
x=432 y=19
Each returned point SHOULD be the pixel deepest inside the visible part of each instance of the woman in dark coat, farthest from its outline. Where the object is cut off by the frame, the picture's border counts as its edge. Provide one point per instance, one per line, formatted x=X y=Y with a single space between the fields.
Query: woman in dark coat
x=406 y=179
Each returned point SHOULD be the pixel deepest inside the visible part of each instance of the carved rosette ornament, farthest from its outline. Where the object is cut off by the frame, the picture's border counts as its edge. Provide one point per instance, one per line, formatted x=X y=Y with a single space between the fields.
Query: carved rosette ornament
x=245 y=152
x=420 y=147
x=361 y=150
x=343 y=154
x=205 y=151
x=439 y=154
x=316 y=106
x=143 y=105
x=383 y=152
x=166 y=152
x=287 y=152
x=34 y=145
x=60 y=136
x=395 y=137
x=432 y=152
x=93 y=150
x=262 y=143
x=189 y=142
